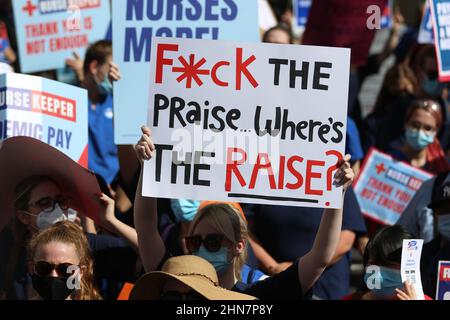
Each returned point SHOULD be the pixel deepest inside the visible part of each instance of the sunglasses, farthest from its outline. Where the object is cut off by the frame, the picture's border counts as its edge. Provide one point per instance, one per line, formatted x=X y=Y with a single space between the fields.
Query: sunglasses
x=44 y=269
x=212 y=242
x=48 y=204
x=174 y=295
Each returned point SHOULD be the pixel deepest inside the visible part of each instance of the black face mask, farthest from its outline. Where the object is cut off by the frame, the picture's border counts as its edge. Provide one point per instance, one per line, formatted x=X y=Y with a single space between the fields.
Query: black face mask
x=51 y=288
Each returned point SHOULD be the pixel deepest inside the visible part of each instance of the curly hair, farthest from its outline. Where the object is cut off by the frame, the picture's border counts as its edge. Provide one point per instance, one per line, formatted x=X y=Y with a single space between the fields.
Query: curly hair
x=69 y=233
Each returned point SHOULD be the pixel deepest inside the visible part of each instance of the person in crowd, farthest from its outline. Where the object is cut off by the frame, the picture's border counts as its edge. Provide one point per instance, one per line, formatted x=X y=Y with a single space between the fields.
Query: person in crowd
x=186 y=277
x=437 y=249
x=286 y=233
x=422 y=61
x=383 y=132
x=99 y=73
x=278 y=34
x=38 y=202
x=61 y=264
x=174 y=233
x=421 y=148
x=382 y=258
x=97 y=76
x=219 y=235
x=418 y=218
x=399 y=87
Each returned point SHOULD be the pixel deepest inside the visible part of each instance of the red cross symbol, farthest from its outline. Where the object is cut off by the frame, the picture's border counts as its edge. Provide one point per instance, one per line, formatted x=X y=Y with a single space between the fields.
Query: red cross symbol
x=29 y=7
x=380 y=168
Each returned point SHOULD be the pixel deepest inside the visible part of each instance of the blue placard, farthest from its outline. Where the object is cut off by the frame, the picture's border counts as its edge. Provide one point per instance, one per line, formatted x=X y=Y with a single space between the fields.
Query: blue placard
x=426 y=26
x=49 y=31
x=385 y=186
x=301 y=9
x=51 y=111
x=440 y=13
x=443 y=281
x=134 y=24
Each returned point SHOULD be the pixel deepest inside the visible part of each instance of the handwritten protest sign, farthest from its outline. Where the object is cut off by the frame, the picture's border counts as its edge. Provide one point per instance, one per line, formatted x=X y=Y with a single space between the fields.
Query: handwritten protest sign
x=48 y=31
x=440 y=13
x=258 y=123
x=134 y=24
x=50 y=111
x=443 y=281
x=384 y=186
x=426 y=26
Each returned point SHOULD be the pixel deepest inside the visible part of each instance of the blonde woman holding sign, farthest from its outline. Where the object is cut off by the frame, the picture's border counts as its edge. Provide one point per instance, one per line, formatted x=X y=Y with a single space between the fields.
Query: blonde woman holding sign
x=219 y=234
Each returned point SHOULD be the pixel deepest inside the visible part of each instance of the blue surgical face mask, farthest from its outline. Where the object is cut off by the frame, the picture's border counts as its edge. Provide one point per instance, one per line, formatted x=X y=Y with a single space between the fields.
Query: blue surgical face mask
x=218 y=259
x=105 y=87
x=184 y=210
x=418 y=139
x=444 y=225
x=383 y=281
x=433 y=87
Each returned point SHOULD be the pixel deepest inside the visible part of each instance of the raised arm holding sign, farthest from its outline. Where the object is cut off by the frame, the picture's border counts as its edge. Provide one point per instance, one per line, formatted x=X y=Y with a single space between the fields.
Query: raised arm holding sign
x=302 y=275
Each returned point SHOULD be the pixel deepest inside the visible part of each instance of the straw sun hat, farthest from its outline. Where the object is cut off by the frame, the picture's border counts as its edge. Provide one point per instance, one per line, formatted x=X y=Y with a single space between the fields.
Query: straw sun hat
x=193 y=271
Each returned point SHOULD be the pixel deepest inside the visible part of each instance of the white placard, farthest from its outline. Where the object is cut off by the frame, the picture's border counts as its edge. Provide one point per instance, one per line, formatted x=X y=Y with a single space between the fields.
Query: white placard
x=247 y=122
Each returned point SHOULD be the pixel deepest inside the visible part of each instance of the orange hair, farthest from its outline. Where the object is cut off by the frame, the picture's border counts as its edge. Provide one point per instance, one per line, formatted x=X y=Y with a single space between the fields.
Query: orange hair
x=69 y=233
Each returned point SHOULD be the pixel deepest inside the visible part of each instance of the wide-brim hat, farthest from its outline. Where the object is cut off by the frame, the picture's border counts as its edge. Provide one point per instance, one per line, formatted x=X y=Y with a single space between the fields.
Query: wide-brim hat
x=193 y=271
x=23 y=157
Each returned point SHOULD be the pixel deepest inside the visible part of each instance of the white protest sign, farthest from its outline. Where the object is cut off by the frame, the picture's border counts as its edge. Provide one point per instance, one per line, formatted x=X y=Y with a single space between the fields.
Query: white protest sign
x=258 y=123
x=410 y=265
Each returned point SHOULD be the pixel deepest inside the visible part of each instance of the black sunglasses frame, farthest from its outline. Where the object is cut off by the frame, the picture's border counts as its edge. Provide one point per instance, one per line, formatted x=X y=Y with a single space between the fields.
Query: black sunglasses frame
x=44 y=269
x=212 y=242
x=62 y=201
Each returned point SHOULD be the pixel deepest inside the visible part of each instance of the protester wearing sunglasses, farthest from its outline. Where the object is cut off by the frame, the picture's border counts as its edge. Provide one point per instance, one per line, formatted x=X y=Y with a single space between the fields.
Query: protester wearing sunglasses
x=61 y=265
x=219 y=235
x=54 y=186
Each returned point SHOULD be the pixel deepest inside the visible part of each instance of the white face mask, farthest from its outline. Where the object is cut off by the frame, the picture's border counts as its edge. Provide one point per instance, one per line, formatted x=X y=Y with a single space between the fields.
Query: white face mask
x=47 y=219
x=72 y=215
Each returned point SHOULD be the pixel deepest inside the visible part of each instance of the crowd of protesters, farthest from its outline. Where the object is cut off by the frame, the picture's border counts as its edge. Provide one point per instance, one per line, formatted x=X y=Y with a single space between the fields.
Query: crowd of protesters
x=196 y=250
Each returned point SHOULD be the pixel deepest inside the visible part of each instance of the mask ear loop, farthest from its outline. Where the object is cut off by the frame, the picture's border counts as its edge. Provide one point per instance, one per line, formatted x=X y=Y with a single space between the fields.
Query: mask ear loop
x=33 y=215
x=29 y=213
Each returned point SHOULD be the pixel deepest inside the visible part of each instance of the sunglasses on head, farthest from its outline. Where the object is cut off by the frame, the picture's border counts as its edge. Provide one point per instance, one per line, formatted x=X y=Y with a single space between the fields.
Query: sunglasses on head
x=44 y=269
x=174 y=295
x=212 y=242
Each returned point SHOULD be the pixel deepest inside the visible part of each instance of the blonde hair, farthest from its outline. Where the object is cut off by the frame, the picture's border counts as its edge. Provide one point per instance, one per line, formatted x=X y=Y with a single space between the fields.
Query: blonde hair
x=229 y=222
x=69 y=233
